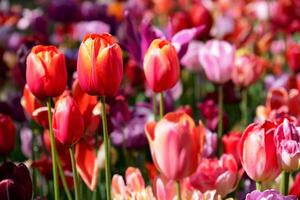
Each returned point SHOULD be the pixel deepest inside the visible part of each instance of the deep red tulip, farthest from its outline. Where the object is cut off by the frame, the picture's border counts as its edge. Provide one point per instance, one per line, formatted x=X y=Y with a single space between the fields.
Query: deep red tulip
x=46 y=72
x=161 y=65
x=15 y=182
x=257 y=151
x=295 y=189
x=7 y=134
x=100 y=65
x=68 y=125
x=176 y=144
x=293 y=56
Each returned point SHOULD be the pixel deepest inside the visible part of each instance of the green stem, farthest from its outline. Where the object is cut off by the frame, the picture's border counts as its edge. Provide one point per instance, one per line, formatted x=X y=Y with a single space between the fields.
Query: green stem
x=53 y=152
x=258 y=186
x=63 y=178
x=178 y=191
x=161 y=105
x=107 y=149
x=244 y=108
x=75 y=175
x=284 y=183
x=220 y=118
x=154 y=106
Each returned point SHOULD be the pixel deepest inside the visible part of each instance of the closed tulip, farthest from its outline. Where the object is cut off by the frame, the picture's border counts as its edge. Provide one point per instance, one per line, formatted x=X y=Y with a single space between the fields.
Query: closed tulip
x=7 y=134
x=217 y=60
x=175 y=144
x=67 y=120
x=257 y=152
x=46 y=72
x=100 y=65
x=287 y=139
x=161 y=65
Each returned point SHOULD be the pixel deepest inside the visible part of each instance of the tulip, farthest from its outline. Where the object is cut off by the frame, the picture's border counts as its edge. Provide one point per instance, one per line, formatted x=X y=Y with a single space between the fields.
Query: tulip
x=46 y=72
x=15 y=182
x=217 y=59
x=100 y=65
x=268 y=194
x=293 y=56
x=295 y=189
x=134 y=187
x=258 y=139
x=161 y=65
x=231 y=142
x=178 y=132
x=67 y=121
x=7 y=134
x=220 y=175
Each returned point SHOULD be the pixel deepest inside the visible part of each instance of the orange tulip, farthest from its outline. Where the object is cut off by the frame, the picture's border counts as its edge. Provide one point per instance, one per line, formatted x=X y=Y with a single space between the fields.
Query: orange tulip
x=100 y=65
x=176 y=144
x=46 y=72
x=161 y=65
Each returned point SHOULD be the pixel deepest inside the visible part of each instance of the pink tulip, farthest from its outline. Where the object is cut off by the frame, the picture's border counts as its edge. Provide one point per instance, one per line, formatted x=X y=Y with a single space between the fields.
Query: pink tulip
x=217 y=59
x=220 y=175
x=287 y=139
x=175 y=144
x=257 y=151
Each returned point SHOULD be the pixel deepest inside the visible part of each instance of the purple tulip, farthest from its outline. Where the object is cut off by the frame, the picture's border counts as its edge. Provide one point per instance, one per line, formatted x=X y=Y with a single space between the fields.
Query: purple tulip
x=268 y=195
x=217 y=58
x=15 y=182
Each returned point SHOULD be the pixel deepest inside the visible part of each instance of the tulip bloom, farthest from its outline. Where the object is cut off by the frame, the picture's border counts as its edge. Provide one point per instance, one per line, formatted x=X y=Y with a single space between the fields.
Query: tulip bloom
x=175 y=144
x=220 y=175
x=230 y=144
x=100 y=65
x=293 y=56
x=161 y=65
x=257 y=151
x=268 y=194
x=46 y=72
x=68 y=124
x=287 y=139
x=7 y=134
x=217 y=59
x=15 y=182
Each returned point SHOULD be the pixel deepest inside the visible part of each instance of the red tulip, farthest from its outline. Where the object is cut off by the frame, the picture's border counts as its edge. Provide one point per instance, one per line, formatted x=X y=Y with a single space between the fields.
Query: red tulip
x=175 y=144
x=161 y=65
x=220 y=175
x=46 y=72
x=100 y=65
x=293 y=56
x=230 y=144
x=257 y=151
x=295 y=189
x=7 y=134
x=67 y=120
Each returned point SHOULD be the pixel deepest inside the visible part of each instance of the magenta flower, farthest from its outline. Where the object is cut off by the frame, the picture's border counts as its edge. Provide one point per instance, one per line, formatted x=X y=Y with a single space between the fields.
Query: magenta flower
x=268 y=195
x=287 y=139
x=217 y=59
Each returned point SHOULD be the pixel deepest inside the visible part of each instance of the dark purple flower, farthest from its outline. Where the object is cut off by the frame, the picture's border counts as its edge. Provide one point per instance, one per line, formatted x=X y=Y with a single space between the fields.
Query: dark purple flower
x=64 y=11
x=93 y=11
x=268 y=195
x=15 y=182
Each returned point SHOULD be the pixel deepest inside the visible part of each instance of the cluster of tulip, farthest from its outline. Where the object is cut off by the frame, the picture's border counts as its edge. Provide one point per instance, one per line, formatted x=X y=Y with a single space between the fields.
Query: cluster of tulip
x=175 y=108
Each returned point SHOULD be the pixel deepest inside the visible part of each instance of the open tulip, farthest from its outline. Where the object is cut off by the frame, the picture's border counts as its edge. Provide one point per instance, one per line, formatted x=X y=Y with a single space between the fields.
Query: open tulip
x=7 y=134
x=257 y=151
x=175 y=144
x=46 y=72
x=100 y=65
x=287 y=139
x=67 y=120
x=217 y=59
x=220 y=175
x=161 y=65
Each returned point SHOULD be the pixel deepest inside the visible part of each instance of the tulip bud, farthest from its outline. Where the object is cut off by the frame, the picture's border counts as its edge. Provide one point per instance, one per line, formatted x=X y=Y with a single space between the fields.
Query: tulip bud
x=287 y=139
x=175 y=144
x=217 y=59
x=257 y=151
x=100 y=65
x=161 y=65
x=46 y=72
x=293 y=57
x=7 y=134
x=67 y=120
